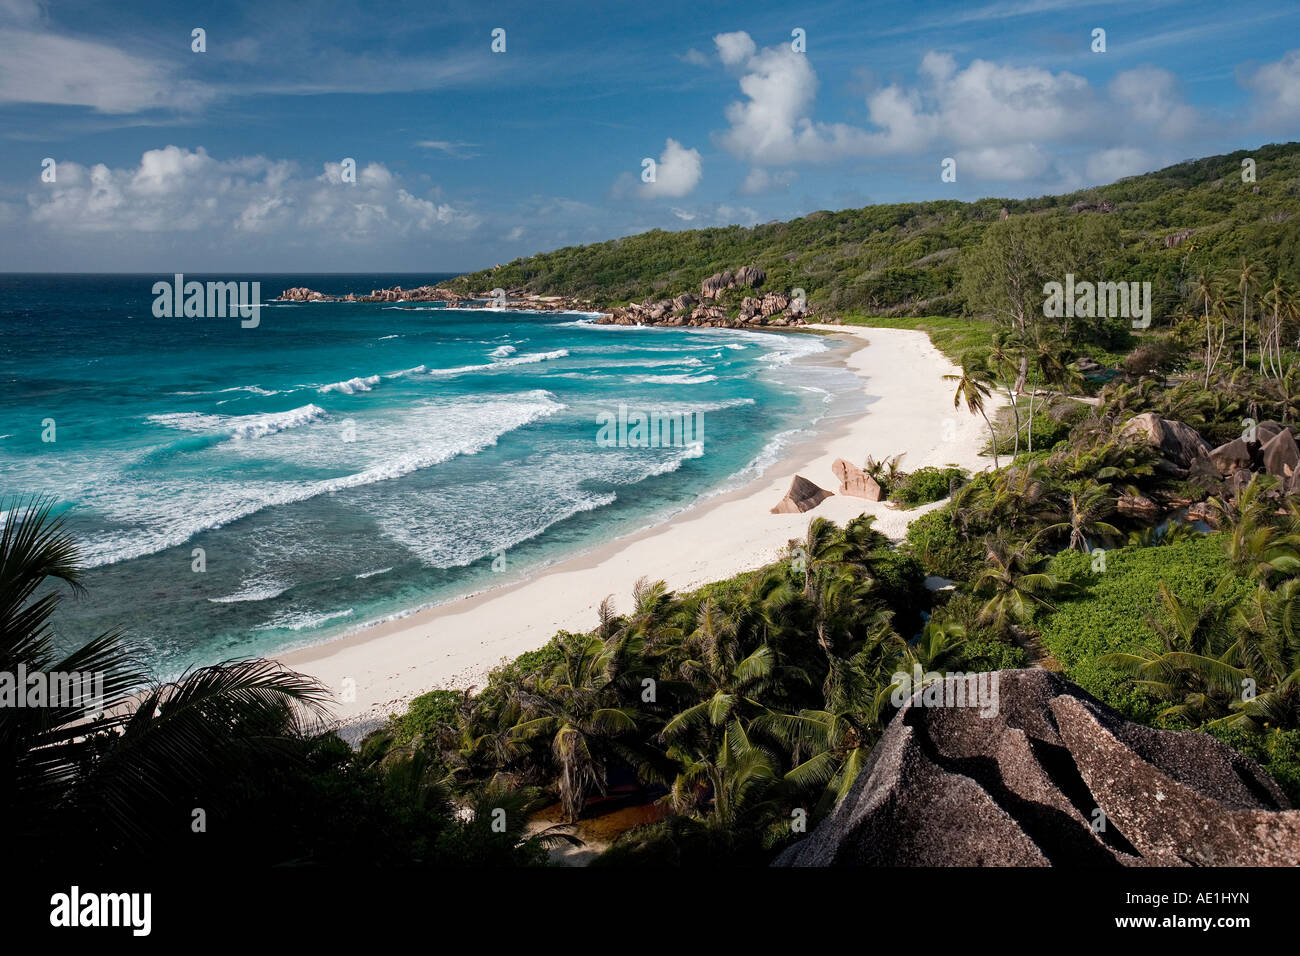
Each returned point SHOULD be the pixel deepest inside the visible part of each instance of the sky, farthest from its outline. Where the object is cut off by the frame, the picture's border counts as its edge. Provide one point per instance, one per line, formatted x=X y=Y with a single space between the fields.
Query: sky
x=325 y=136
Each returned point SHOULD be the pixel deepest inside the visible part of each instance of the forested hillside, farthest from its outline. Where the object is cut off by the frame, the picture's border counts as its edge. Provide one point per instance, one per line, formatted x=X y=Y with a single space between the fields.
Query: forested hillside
x=907 y=258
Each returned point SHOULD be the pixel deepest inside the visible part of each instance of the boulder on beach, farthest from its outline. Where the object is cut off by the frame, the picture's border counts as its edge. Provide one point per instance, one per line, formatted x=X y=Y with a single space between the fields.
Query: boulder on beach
x=802 y=496
x=1023 y=772
x=854 y=481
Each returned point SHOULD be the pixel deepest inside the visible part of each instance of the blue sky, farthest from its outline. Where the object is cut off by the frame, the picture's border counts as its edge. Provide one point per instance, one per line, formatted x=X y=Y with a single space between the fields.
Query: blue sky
x=169 y=160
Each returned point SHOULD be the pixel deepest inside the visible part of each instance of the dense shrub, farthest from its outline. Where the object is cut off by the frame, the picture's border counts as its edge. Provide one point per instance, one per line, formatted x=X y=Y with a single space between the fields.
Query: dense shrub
x=925 y=485
x=1107 y=612
x=935 y=542
x=424 y=715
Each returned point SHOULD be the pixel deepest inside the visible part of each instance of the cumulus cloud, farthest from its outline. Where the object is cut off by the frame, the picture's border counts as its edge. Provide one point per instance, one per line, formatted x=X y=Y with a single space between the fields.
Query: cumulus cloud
x=1107 y=165
x=734 y=48
x=761 y=180
x=1277 y=89
x=175 y=190
x=999 y=120
x=677 y=173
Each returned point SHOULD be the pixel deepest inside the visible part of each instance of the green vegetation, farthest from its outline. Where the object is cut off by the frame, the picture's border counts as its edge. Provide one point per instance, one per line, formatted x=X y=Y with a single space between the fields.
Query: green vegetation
x=926 y=484
x=909 y=259
x=729 y=707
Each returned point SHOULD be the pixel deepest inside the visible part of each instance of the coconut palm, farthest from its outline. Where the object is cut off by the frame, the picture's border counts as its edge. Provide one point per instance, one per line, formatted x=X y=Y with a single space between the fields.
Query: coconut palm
x=578 y=708
x=1015 y=587
x=1247 y=274
x=974 y=385
x=115 y=771
x=1192 y=669
x=1085 y=509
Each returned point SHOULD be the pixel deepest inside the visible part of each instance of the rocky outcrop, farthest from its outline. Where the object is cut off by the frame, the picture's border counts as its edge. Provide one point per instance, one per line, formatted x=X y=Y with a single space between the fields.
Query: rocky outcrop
x=802 y=496
x=1180 y=445
x=1230 y=457
x=1177 y=238
x=516 y=299
x=1083 y=206
x=854 y=481
x=1279 y=456
x=715 y=283
x=1053 y=777
x=751 y=276
x=300 y=294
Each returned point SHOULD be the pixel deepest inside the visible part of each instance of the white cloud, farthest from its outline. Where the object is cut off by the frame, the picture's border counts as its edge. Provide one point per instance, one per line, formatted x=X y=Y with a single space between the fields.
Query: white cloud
x=176 y=190
x=677 y=173
x=1277 y=89
x=450 y=147
x=734 y=48
x=1108 y=165
x=761 y=180
x=1000 y=121
x=693 y=57
x=1004 y=163
x=1152 y=99
x=37 y=67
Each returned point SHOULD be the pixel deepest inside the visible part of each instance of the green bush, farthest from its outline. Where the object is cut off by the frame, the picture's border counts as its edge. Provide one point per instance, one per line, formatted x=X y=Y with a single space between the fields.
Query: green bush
x=925 y=485
x=424 y=715
x=936 y=544
x=1107 y=612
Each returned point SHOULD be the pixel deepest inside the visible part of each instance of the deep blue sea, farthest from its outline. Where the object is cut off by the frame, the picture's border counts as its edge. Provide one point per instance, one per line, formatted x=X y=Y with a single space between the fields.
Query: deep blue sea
x=239 y=491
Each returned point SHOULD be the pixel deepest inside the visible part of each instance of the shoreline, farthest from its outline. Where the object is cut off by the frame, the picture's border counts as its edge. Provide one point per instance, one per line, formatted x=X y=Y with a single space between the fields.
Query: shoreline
x=455 y=644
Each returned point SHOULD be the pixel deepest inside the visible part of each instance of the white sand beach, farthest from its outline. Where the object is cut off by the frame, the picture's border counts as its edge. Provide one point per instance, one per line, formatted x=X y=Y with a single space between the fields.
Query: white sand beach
x=454 y=645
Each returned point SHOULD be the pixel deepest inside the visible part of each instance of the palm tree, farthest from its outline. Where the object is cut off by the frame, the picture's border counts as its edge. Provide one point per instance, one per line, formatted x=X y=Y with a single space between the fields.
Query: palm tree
x=1085 y=509
x=116 y=773
x=1192 y=668
x=1015 y=587
x=1255 y=545
x=1248 y=273
x=940 y=648
x=1207 y=293
x=577 y=706
x=974 y=385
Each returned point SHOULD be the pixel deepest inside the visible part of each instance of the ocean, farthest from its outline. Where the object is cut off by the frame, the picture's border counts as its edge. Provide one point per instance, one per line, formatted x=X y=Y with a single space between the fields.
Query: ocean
x=239 y=491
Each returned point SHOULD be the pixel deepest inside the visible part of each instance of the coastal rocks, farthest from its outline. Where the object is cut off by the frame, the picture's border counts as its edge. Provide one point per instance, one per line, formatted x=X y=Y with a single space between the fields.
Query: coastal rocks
x=1230 y=457
x=854 y=481
x=1279 y=456
x=802 y=496
x=684 y=302
x=715 y=283
x=751 y=276
x=774 y=303
x=300 y=294
x=1179 y=444
x=1021 y=783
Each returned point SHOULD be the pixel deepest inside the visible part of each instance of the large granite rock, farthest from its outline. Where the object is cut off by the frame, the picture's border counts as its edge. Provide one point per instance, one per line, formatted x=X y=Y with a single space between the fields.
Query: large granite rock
x=1279 y=456
x=802 y=496
x=1229 y=457
x=1054 y=777
x=1179 y=444
x=854 y=481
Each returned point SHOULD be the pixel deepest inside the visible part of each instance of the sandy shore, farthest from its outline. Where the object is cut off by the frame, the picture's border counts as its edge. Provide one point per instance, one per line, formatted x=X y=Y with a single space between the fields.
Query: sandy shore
x=454 y=645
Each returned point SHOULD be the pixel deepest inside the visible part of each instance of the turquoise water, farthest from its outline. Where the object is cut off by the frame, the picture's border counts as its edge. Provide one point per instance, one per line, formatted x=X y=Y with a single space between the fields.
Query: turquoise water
x=342 y=464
